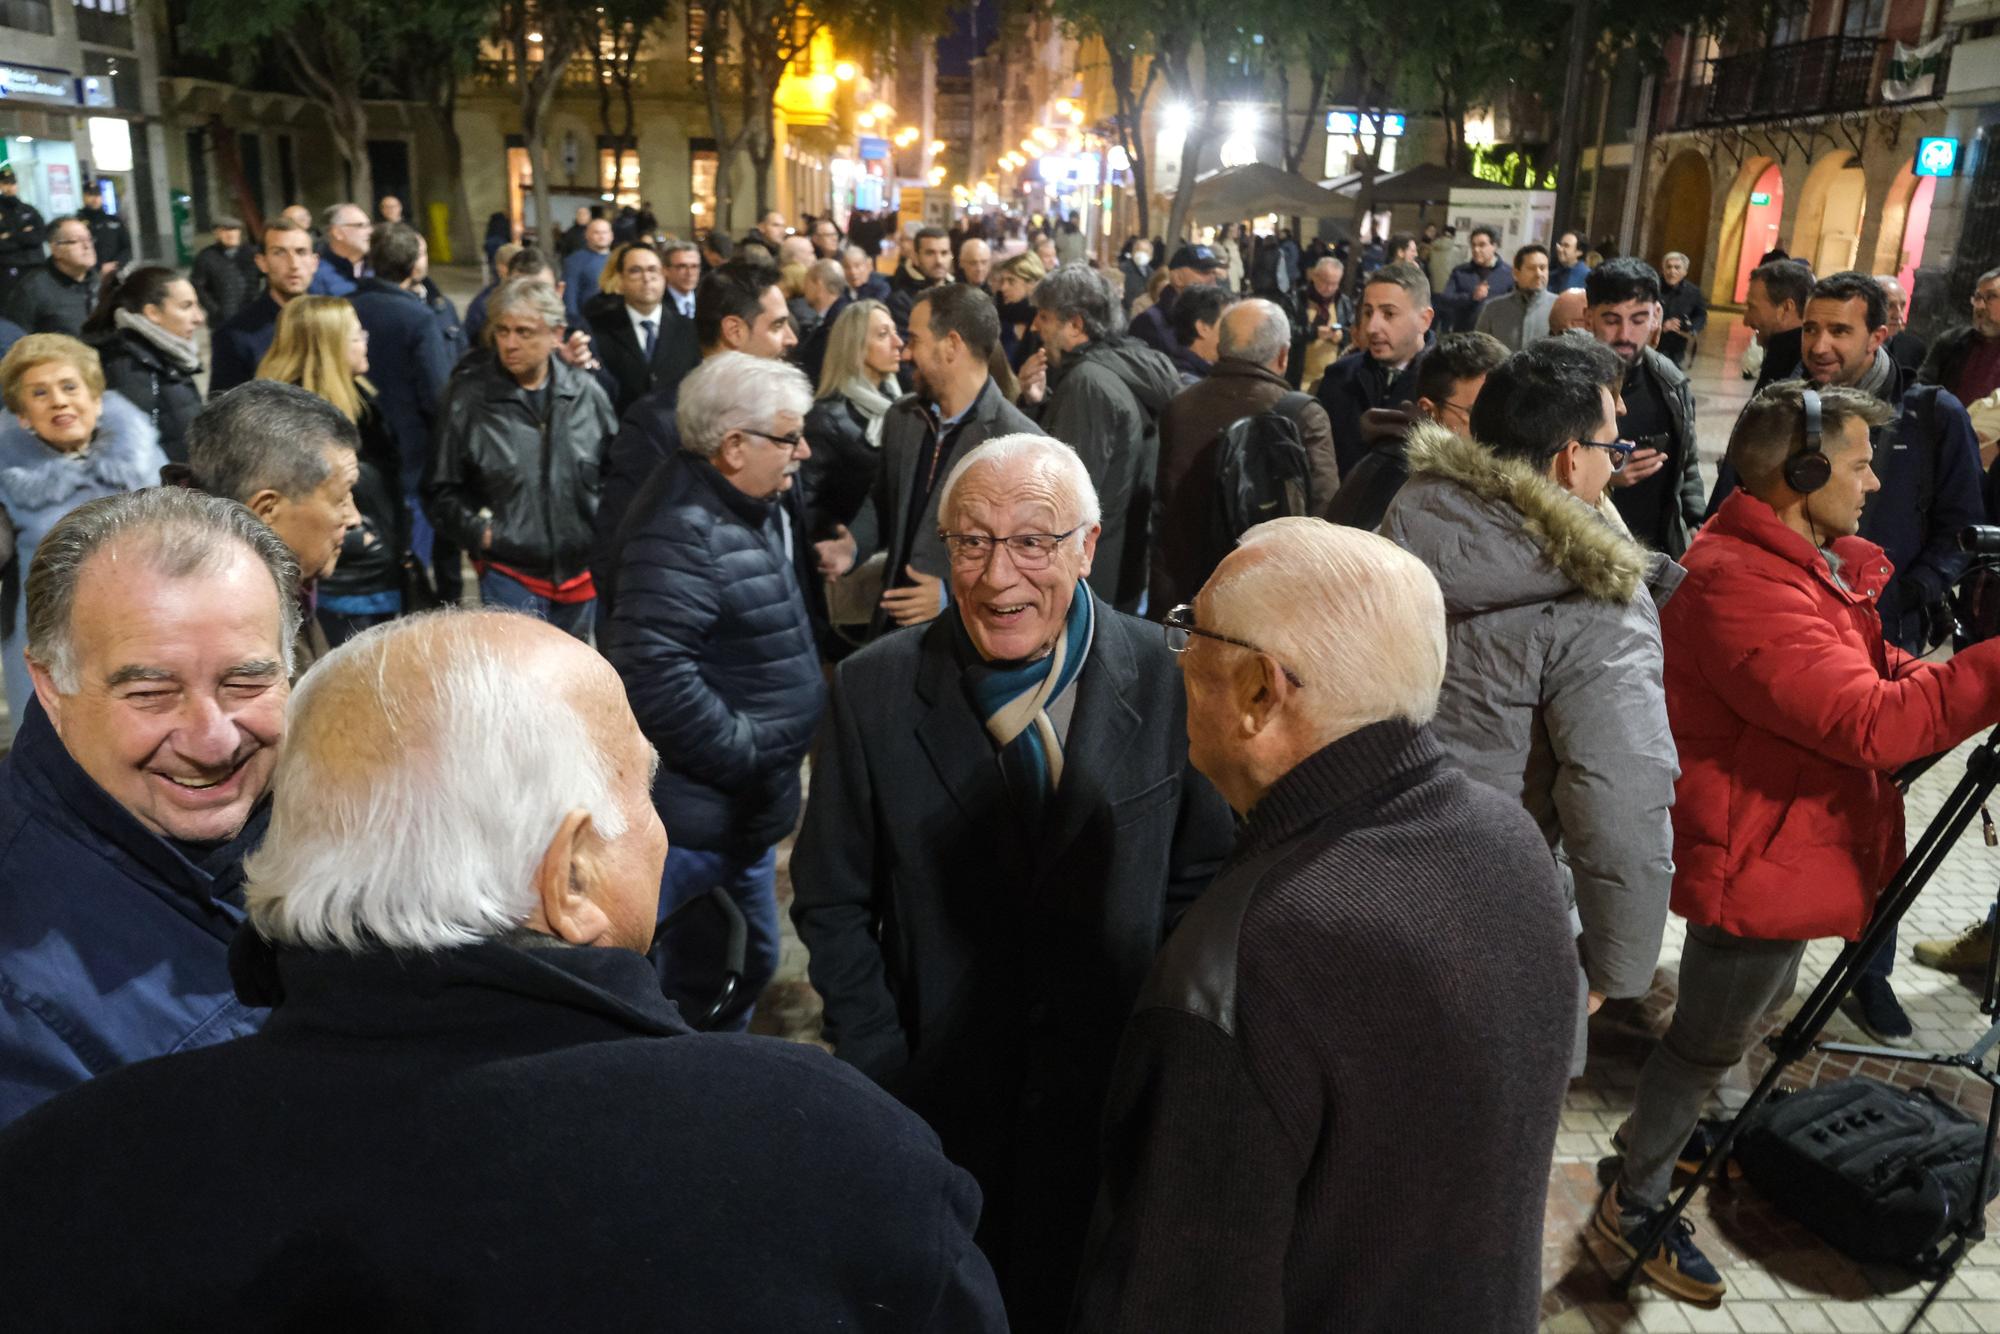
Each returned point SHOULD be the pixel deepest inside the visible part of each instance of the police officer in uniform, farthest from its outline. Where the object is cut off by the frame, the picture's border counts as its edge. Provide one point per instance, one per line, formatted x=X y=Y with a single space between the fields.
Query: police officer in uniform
x=108 y=230
x=21 y=233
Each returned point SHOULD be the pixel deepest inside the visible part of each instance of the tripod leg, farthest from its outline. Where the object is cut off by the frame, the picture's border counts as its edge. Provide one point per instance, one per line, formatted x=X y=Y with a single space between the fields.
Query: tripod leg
x=1796 y=1039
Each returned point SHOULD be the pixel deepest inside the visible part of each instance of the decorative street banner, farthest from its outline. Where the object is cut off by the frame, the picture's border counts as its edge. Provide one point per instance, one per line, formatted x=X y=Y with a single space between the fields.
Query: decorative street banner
x=1912 y=71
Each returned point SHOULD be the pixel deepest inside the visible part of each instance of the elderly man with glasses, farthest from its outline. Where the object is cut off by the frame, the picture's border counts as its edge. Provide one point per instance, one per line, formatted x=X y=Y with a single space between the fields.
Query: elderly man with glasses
x=711 y=634
x=1553 y=688
x=1002 y=828
x=343 y=257
x=1361 y=998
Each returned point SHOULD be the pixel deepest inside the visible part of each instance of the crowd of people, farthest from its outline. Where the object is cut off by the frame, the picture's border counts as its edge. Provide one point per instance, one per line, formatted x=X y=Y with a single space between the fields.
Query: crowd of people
x=1240 y=718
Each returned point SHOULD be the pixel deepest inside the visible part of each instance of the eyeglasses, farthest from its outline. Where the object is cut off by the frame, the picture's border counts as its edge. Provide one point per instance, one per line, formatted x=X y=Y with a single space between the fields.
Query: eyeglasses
x=1180 y=628
x=792 y=441
x=1029 y=551
x=73 y=241
x=1621 y=451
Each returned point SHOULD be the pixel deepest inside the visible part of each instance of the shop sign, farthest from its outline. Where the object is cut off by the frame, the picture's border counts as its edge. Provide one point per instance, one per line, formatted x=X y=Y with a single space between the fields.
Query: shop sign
x=1936 y=157
x=52 y=85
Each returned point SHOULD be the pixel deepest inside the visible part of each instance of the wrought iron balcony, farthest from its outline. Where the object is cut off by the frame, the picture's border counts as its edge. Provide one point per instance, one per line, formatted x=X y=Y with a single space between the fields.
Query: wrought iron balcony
x=1827 y=74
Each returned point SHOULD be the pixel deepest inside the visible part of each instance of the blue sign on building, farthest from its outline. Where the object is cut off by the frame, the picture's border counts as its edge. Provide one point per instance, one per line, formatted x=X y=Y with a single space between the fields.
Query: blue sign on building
x=873 y=149
x=1936 y=157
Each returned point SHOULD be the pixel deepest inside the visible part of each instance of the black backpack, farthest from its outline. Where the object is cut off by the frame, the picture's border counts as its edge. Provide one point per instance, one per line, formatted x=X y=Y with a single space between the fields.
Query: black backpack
x=1261 y=472
x=1882 y=1173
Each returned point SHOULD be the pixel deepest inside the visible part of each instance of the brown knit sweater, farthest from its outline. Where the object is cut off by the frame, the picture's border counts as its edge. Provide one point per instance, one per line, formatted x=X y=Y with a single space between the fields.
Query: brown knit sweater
x=1335 y=1105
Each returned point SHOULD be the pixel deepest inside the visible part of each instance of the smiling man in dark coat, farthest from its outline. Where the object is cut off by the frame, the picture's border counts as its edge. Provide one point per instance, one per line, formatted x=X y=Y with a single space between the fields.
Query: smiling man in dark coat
x=1002 y=827
x=159 y=623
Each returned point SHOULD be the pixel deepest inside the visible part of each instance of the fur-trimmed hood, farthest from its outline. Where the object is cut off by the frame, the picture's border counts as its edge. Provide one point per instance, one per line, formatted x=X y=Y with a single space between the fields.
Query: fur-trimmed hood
x=1499 y=534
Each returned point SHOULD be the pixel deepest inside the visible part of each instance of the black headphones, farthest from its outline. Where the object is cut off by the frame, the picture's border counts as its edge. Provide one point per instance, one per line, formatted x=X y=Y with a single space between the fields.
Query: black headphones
x=1809 y=470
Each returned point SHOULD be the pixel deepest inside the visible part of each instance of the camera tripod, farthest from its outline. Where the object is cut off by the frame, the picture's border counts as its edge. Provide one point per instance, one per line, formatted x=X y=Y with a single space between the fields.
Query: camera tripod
x=1800 y=1036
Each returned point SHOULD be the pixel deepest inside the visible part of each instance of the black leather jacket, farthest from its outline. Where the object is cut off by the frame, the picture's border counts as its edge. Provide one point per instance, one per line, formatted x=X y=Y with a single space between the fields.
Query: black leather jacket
x=534 y=482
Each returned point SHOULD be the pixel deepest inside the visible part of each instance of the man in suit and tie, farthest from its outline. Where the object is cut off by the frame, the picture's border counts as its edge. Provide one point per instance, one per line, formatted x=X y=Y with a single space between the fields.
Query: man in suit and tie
x=894 y=544
x=682 y=260
x=641 y=343
x=1002 y=826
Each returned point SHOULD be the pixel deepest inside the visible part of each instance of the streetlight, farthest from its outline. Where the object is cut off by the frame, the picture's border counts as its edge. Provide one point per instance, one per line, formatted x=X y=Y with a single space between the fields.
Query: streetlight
x=844 y=71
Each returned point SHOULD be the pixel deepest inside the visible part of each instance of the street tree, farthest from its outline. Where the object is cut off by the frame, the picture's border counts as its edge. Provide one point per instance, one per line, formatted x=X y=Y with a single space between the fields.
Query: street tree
x=542 y=37
x=623 y=28
x=448 y=35
x=334 y=54
x=1121 y=27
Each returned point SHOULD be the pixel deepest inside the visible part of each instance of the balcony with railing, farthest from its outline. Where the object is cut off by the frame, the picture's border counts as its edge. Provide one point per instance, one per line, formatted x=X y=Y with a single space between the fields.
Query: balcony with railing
x=1822 y=76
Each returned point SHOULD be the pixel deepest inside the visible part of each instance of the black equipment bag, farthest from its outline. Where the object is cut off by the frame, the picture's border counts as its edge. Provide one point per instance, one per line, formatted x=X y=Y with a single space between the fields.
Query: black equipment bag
x=1261 y=472
x=1882 y=1173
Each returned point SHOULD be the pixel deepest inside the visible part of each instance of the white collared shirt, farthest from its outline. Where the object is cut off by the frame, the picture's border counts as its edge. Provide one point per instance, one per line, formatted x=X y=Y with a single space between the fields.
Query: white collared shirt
x=682 y=302
x=658 y=319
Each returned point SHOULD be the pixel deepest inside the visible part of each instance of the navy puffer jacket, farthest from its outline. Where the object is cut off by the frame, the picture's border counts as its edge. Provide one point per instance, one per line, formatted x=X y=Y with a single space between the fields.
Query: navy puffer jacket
x=711 y=635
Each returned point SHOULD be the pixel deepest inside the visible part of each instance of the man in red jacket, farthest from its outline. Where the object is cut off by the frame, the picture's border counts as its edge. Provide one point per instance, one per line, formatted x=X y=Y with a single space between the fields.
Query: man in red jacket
x=1791 y=715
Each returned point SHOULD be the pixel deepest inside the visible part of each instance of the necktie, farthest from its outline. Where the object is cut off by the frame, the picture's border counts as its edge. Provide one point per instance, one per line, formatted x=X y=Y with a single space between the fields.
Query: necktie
x=647 y=325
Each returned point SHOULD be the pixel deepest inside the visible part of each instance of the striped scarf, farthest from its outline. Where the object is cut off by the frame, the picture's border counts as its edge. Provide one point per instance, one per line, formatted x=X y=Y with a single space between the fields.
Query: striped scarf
x=1013 y=700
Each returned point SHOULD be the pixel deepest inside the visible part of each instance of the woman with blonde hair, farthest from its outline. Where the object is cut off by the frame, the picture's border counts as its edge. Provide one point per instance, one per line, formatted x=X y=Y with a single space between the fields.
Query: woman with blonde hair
x=321 y=347
x=857 y=383
x=1014 y=281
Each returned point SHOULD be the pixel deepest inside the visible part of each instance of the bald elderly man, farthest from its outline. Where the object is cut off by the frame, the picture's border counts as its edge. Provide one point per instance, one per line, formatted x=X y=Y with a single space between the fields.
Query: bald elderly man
x=975 y=264
x=1337 y=1096
x=438 y=1123
x=1002 y=826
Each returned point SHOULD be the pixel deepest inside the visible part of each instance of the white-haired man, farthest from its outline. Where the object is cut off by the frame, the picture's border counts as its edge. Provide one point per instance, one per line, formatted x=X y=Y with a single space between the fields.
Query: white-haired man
x=1001 y=829
x=712 y=636
x=472 y=1100
x=515 y=471
x=160 y=623
x=1348 y=1063
x=1253 y=352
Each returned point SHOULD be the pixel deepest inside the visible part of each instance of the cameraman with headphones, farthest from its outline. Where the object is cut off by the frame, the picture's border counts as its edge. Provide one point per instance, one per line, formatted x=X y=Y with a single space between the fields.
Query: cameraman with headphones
x=1791 y=714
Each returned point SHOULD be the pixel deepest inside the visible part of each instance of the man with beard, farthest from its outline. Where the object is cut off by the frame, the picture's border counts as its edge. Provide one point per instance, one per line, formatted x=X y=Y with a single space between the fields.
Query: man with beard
x=1966 y=360
x=1394 y=328
x=288 y=262
x=954 y=407
x=160 y=629
x=1659 y=491
x=930 y=260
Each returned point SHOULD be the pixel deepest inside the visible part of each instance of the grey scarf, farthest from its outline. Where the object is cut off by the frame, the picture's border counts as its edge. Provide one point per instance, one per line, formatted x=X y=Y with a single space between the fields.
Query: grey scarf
x=1875 y=380
x=182 y=352
x=872 y=401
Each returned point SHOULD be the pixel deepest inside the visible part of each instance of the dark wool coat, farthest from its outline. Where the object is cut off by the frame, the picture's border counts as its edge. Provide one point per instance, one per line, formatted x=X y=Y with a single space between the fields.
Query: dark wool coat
x=1347 y=1065
x=982 y=974
x=495 y=1137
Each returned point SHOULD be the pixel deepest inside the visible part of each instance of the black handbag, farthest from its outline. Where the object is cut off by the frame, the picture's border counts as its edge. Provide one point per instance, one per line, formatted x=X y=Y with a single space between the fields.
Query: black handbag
x=1884 y=1174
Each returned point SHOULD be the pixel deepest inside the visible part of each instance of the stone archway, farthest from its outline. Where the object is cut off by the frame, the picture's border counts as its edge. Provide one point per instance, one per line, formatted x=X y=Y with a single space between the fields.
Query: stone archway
x=1751 y=209
x=1905 y=225
x=1826 y=230
x=1680 y=213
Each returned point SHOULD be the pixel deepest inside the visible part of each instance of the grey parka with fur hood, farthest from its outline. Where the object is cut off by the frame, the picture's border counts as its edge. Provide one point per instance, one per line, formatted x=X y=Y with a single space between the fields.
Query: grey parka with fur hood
x=1552 y=688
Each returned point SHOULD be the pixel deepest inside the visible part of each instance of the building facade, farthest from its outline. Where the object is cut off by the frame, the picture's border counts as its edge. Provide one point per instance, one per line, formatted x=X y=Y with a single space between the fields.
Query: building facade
x=78 y=103
x=1803 y=140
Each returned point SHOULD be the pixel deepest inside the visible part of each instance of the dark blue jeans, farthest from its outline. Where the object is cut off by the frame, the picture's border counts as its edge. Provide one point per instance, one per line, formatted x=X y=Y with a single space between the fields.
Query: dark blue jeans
x=691 y=956
x=497 y=590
